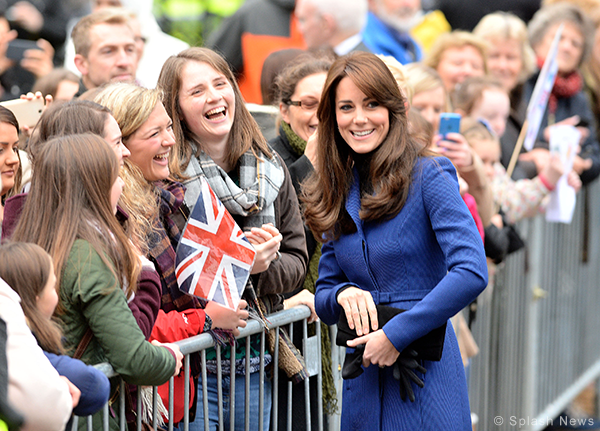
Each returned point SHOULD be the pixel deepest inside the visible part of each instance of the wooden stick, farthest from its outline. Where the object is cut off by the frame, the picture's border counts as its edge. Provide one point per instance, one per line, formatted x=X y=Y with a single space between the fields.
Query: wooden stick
x=517 y=150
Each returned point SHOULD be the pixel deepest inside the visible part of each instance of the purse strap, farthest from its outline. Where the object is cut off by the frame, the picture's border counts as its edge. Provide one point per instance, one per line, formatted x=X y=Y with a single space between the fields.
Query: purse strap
x=85 y=341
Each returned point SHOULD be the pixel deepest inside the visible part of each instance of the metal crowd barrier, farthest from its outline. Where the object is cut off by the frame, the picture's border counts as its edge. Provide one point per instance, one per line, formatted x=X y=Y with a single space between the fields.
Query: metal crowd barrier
x=311 y=350
x=537 y=324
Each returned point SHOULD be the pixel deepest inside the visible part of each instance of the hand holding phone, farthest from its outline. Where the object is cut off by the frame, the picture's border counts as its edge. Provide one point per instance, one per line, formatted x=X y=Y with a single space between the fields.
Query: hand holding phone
x=449 y=123
x=28 y=112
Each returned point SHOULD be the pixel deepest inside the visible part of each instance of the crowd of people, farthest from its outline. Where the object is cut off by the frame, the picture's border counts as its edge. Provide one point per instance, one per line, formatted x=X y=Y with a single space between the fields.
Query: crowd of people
x=361 y=208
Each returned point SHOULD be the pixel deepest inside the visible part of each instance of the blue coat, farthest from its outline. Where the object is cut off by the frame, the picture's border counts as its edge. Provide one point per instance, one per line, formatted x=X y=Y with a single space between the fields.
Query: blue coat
x=429 y=259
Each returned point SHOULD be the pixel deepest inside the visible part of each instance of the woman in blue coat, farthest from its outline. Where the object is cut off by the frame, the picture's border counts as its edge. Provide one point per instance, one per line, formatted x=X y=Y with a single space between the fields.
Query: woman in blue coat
x=397 y=233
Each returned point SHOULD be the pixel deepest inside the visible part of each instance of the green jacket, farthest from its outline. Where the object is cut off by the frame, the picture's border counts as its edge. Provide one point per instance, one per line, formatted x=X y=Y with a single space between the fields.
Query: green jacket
x=91 y=298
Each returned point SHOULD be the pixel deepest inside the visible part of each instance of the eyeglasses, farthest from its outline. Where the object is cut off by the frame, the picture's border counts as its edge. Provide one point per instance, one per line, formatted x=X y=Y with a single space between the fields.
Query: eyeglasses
x=307 y=105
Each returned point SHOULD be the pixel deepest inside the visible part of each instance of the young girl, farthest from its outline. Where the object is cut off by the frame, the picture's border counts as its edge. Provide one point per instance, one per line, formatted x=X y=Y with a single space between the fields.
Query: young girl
x=516 y=199
x=28 y=269
x=97 y=268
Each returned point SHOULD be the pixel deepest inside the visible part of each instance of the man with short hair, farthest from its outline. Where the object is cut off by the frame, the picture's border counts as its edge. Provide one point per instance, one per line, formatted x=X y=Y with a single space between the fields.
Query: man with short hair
x=105 y=49
x=335 y=24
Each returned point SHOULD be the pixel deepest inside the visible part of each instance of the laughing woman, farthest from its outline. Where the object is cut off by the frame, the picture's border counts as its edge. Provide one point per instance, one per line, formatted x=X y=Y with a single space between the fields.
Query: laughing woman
x=203 y=99
x=399 y=234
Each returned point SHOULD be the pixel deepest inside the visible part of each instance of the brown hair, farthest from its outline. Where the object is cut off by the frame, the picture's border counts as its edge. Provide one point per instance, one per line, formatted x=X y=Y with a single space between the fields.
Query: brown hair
x=81 y=31
x=392 y=163
x=68 y=118
x=469 y=93
x=48 y=84
x=73 y=178
x=244 y=134
x=6 y=116
x=26 y=268
x=303 y=66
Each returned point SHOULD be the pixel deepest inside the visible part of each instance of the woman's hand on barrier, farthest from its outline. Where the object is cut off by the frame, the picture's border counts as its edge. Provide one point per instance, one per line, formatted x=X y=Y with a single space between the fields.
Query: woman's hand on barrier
x=266 y=241
x=359 y=308
x=304 y=297
x=226 y=318
x=175 y=349
x=73 y=390
x=379 y=350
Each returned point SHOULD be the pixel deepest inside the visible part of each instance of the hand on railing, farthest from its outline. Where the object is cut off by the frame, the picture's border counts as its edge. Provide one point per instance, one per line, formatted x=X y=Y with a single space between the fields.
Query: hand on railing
x=73 y=390
x=304 y=297
x=226 y=318
x=175 y=349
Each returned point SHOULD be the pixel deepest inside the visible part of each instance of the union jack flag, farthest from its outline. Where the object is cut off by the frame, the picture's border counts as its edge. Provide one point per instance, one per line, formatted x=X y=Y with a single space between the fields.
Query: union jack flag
x=214 y=257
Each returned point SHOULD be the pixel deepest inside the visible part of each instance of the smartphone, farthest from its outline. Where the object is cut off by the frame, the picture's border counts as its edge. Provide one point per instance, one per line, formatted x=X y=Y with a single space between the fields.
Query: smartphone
x=449 y=123
x=16 y=48
x=28 y=112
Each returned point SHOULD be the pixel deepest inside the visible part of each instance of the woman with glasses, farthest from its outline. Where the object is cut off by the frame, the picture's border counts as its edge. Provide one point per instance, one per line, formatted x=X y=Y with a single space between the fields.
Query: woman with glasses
x=298 y=90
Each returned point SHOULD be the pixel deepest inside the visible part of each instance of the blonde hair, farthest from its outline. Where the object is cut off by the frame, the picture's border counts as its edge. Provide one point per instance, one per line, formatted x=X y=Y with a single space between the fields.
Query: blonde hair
x=81 y=31
x=423 y=78
x=131 y=106
x=456 y=39
x=506 y=26
x=400 y=75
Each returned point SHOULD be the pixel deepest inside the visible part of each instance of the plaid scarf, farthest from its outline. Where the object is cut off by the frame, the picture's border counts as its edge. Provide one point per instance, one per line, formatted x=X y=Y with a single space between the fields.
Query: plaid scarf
x=259 y=182
x=163 y=243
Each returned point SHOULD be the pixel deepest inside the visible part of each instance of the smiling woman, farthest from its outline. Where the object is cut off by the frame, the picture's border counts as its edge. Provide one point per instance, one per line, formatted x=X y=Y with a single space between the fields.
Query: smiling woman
x=10 y=165
x=396 y=233
x=218 y=139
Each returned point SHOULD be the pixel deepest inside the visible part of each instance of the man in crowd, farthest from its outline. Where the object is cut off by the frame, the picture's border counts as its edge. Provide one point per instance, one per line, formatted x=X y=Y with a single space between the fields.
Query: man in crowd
x=335 y=24
x=105 y=49
x=388 y=27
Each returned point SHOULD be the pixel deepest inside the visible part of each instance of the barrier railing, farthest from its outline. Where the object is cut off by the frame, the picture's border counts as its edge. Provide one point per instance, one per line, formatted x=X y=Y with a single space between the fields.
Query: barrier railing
x=311 y=349
x=537 y=325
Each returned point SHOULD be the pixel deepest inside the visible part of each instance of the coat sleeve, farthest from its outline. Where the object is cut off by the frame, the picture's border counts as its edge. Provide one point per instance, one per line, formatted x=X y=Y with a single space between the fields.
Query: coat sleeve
x=287 y=273
x=146 y=302
x=178 y=325
x=331 y=280
x=104 y=308
x=34 y=387
x=457 y=236
x=93 y=384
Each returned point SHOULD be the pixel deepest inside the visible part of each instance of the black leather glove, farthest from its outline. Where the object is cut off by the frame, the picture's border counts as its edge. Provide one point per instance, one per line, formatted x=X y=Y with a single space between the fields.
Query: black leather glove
x=404 y=371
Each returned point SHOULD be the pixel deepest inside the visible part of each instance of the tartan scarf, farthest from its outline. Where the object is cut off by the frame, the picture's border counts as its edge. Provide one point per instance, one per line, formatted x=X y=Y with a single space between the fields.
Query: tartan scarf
x=162 y=244
x=253 y=198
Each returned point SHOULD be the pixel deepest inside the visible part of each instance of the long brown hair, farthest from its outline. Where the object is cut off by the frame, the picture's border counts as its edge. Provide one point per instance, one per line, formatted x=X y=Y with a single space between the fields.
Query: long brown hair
x=326 y=191
x=68 y=118
x=6 y=116
x=244 y=134
x=26 y=268
x=70 y=199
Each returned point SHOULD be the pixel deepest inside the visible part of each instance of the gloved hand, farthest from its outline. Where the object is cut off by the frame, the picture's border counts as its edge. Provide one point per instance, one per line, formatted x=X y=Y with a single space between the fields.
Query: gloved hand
x=404 y=371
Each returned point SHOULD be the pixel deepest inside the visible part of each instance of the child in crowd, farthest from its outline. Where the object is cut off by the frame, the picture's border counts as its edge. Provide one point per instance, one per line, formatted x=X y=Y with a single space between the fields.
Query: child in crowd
x=516 y=199
x=484 y=98
x=28 y=269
